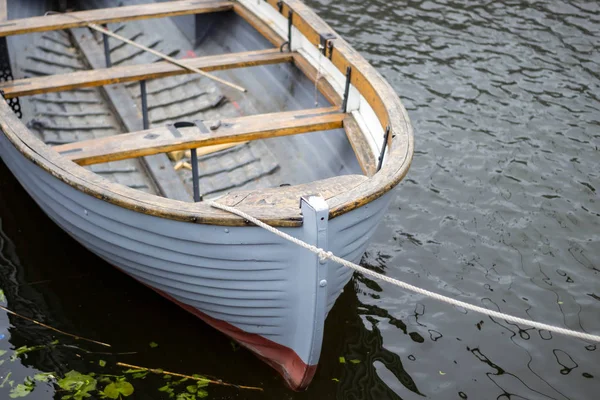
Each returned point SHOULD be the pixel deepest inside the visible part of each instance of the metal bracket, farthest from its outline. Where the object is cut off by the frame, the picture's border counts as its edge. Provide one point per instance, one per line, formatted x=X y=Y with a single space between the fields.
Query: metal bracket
x=315 y=222
x=326 y=44
x=290 y=25
x=280 y=5
x=194 y=154
x=385 y=143
x=145 y=119
x=347 y=89
x=6 y=76
x=106 y=48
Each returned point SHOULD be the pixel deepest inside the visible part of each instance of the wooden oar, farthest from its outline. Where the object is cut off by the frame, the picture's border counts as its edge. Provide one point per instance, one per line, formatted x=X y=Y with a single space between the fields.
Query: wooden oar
x=165 y=57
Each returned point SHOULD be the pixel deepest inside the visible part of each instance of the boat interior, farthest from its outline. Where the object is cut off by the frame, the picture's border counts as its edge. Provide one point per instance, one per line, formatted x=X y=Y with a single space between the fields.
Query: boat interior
x=137 y=120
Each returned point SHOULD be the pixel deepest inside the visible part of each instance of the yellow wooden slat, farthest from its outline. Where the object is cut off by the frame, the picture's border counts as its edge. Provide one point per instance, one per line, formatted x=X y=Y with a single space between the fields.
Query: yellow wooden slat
x=129 y=73
x=115 y=14
x=162 y=140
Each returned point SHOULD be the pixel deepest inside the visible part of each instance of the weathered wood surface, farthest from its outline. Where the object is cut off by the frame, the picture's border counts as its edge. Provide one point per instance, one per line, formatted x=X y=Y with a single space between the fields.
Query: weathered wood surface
x=158 y=167
x=162 y=140
x=115 y=14
x=289 y=196
x=130 y=73
x=358 y=141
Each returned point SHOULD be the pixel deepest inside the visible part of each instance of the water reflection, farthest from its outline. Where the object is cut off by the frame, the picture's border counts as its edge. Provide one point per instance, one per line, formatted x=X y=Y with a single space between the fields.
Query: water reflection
x=500 y=208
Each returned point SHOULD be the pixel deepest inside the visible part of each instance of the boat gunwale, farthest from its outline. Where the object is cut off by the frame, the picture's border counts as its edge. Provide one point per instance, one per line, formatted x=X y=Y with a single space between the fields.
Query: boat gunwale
x=371 y=85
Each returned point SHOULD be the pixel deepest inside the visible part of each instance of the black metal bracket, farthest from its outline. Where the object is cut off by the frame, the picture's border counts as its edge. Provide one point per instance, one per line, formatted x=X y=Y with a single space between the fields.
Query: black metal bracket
x=386 y=137
x=145 y=119
x=326 y=44
x=347 y=89
x=290 y=25
x=280 y=5
x=6 y=76
x=194 y=154
x=106 y=48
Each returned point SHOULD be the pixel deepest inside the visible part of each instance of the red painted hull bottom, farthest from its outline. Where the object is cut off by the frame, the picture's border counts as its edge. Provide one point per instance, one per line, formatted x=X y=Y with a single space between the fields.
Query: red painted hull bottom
x=296 y=373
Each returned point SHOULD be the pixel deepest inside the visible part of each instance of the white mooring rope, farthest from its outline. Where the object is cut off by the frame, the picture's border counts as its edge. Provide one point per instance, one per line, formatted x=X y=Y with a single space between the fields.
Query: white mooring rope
x=330 y=256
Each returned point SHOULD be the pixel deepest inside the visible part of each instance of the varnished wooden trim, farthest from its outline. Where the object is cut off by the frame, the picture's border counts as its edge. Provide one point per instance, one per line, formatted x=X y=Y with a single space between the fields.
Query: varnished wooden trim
x=362 y=150
x=232 y=130
x=129 y=73
x=115 y=14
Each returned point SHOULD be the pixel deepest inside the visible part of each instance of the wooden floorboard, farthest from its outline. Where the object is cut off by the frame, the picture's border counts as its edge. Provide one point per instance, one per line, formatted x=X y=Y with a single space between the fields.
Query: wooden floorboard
x=130 y=73
x=159 y=167
x=232 y=130
x=115 y=14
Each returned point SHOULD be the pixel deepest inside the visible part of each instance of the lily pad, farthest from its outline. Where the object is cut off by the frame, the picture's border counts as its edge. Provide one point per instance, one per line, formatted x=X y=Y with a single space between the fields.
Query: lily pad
x=2 y=296
x=153 y=344
x=117 y=389
x=342 y=360
x=102 y=363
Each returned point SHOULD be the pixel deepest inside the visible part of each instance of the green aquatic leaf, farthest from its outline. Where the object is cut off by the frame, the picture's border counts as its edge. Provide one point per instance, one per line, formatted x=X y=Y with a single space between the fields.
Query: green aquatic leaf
x=186 y=396
x=21 y=390
x=192 y=388
x=201 y=394
x=117 y=389
x=2 y=296
x=5 y=379
x=355 y=361
x=102 y=363
x=81 y=385
x=27 y=349
x=153 y=344
x=342 y=360
x=44 y=377
x=140 y=375
x=335 y=379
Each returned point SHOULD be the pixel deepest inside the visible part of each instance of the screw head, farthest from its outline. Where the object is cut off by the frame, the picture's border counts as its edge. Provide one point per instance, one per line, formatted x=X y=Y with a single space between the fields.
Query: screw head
x=323 y=283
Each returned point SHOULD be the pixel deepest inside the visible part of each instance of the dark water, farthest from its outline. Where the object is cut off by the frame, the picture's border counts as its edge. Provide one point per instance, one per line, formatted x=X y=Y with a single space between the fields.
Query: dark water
x=500 y=209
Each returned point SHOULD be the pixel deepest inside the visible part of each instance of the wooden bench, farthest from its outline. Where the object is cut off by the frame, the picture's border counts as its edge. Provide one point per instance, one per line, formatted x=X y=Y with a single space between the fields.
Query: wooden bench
x=232 y=130
x=115 y=14
x=108 y=76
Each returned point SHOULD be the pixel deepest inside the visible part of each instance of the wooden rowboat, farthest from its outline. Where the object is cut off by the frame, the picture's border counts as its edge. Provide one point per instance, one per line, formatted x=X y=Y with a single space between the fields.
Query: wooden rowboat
x=314 y=147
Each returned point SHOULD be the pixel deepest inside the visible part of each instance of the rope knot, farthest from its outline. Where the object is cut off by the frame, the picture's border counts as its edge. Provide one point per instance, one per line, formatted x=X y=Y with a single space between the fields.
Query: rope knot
x=324 y=255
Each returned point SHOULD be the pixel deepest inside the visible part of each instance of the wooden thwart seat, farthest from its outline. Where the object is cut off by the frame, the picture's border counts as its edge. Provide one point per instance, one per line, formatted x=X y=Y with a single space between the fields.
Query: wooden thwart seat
x=115 y=14
x=233 y=130
x=108 y=76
